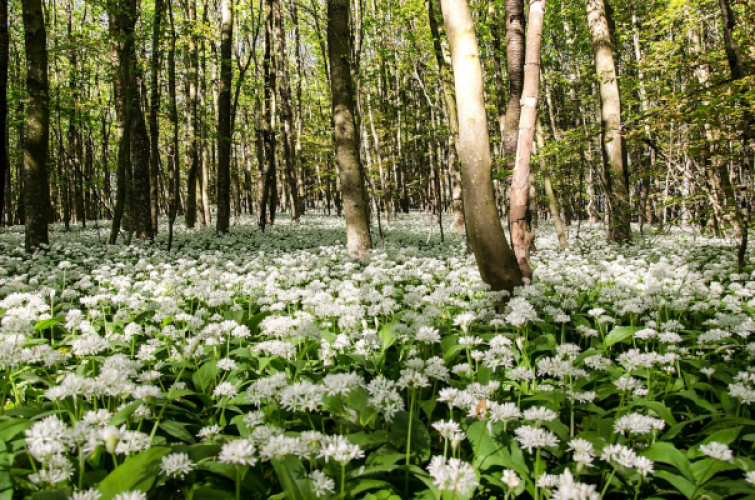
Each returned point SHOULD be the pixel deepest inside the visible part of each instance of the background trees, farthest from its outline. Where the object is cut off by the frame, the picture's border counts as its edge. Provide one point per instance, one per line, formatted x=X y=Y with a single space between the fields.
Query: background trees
x=646 y=111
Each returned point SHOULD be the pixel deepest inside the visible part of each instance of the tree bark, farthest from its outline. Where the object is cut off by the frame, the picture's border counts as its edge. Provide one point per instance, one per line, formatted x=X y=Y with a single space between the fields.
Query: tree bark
x=612 y=140
x=154 y=130
x=36 y=183
x=192 y=81
x=515 y=53
x=174 y=163
x=552 y=204
x=521 y=237
x=267 y=171
x=346 y=141
x=495 y=260
x=453 y=121
x=224 y=117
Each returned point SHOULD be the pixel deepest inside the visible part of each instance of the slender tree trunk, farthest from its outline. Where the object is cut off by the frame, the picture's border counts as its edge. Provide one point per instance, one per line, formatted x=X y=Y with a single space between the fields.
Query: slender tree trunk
x=140 y=158
x=453 y=121
x=497 y=263
x=268 y=191
x=552 y=204
x=36 y=183
x=4 y=142
x=174 y=150
x=346 y=140
x=612 y=140
x=224 y=117
x=520 y=229
x=515 y=53
x=192 y=155
x=154 y=131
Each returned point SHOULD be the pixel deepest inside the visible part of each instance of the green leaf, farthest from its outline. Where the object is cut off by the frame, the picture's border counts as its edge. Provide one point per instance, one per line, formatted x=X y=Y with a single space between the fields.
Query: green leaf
x=177 y=430
x=6 y=483
x=254 y=321
x=293 y=478
x=59 y=494
x=685 y=487
x=420 y=445
x=125 y=413
x=203 y=377
x=667 y=453
x=620 y=334
x=135 y=473
x=47 y=323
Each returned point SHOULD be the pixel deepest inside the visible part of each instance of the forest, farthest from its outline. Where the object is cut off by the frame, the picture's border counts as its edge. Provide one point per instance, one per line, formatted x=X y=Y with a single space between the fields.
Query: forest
x=377 y=249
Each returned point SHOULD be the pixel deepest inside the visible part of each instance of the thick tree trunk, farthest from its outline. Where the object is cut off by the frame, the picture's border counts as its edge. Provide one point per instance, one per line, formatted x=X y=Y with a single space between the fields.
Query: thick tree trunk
x=36 y=184
x=612 y=140
x=122 y=17
x=224 y=117
x=453 y=120
x=154 y=110
x=521 y=237
x=346 y=141
x=496 y=261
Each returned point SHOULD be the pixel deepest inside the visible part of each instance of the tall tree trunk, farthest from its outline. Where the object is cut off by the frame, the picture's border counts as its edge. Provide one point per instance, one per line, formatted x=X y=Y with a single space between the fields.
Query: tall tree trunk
x=515 y=53
x=4 y=142
x=453 y=120
x=154 y=101
x=521 y=237
x=346 y=140
x=552 y=204
x=36 y=184
x=140 y=159
x=287 y=115
x=267 y=170
x=224 y=117
x=192 y=155
x=497 y=263
x=174 y=150
x=122 y=17
x=612 y=140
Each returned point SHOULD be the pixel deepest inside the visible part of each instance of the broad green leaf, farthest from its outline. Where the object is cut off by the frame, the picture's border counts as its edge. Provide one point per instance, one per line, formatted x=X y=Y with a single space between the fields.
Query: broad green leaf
x=135 y=473
x=620 y=334
x=667 y=453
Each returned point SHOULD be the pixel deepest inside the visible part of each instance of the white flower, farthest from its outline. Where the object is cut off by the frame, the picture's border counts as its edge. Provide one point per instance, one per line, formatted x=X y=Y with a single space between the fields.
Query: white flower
x=717 y=451
x=176 y=465
x=619 y=454
x=453 y=475
x=510 y=479
x=540 y=414
x=531 y=437
x=90 y=494
x=131 y=495
x=339 y=449
x=238 y=452
x=225 y=389
x=322 y=485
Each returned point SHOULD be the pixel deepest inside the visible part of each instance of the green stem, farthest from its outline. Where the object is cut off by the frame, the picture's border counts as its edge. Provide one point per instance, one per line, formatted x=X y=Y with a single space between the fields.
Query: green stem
x=608 y=483
x=409 y=443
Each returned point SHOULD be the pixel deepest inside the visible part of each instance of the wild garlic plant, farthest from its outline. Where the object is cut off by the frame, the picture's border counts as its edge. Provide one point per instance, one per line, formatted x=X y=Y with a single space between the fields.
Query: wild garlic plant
x=272 y=365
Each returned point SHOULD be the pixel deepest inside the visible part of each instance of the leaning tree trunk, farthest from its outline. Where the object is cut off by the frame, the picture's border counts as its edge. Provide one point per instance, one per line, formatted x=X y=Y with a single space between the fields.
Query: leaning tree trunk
x=612 y=140
x=521 y=237
x=4 y=52
x=36 y=183
x=496 y=261
x=347 y=148
x=453 y=122
x=224 y=117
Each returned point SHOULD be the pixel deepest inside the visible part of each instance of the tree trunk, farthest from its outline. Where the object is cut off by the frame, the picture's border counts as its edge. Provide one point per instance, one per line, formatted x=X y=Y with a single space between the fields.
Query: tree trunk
x=122 y=17
x=453 y=120
x=4 y=142
x=346 y=141
x=174 y=163
x=224 y=118
x=521 y=237
x=267 y=171
x=496 y=261
x=612 y=140
x=36 y=184
x=515 y=53
x=552 y=205
x=154 y=101
x=192 y=155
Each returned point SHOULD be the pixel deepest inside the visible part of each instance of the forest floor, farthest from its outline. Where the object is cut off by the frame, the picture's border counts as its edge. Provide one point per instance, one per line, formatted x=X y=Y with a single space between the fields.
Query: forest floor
x=272 y=365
